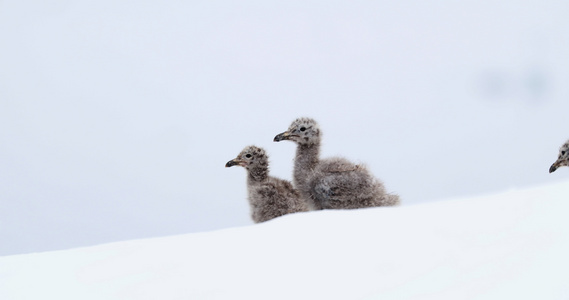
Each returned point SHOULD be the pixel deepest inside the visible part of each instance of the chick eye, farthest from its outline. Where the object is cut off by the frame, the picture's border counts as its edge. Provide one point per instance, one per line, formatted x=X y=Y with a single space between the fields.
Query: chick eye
x=562 y=152
x=302 y=128
x=248 y=155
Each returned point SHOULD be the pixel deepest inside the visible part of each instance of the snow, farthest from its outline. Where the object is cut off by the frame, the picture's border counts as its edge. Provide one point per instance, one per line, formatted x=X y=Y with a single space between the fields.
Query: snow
x=511 y=245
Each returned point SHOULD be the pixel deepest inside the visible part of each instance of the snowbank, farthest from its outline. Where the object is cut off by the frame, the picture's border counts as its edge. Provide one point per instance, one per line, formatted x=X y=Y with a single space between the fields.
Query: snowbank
x=512 y=245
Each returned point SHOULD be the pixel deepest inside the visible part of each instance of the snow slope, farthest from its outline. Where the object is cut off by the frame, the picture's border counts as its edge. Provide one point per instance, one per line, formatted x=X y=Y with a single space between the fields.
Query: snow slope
x=512 y=245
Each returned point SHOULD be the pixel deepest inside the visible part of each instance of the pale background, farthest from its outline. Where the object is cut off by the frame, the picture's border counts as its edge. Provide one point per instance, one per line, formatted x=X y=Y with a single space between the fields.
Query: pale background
x=117 y=117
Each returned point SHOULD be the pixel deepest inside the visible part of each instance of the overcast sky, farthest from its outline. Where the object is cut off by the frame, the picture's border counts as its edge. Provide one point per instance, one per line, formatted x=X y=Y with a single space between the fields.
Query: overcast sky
x=117 y=118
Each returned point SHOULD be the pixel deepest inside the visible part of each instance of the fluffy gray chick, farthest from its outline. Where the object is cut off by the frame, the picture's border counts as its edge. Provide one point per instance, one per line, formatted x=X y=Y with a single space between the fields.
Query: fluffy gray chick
x=269 y=197
x=563 y=158
x=333 y=183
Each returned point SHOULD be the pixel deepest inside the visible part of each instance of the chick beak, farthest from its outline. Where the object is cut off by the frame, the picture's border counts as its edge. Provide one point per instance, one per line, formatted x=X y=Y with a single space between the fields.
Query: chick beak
x=554 y=166
x=233 y=162
x=282 y=136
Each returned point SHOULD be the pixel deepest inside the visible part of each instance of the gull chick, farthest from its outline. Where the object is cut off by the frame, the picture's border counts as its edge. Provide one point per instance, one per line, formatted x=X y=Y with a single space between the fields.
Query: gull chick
x=332 y=183
x=269 y=197
x=562 y=159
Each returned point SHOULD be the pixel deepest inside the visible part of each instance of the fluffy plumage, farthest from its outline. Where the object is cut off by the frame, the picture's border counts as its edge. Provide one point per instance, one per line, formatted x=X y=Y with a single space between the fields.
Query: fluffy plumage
x=333 y=183
x=562 y=159
x=269 y=197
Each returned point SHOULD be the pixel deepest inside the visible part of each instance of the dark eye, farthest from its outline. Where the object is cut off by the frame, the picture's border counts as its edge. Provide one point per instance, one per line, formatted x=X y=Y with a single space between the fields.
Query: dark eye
x=562 y=152
x=248 y=155
x=302 y=128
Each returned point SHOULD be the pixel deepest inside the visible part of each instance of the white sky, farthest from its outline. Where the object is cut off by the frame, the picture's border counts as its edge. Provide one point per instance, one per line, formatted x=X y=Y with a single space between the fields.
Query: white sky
x=116 y=119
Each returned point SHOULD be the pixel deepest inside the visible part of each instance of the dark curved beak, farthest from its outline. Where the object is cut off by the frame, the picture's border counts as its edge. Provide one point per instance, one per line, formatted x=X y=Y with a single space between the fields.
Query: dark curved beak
x=554 y=167
x=231 y=163
x=282 y=136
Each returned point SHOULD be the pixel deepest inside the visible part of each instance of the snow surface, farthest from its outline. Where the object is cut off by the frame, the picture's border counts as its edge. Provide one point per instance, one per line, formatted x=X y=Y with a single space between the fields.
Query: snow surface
x=512 y=245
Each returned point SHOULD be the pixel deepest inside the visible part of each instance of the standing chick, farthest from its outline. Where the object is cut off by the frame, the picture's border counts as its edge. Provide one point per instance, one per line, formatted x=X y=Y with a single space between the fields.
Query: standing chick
x=563 y=159
x=333 y=183
x=269 y=197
